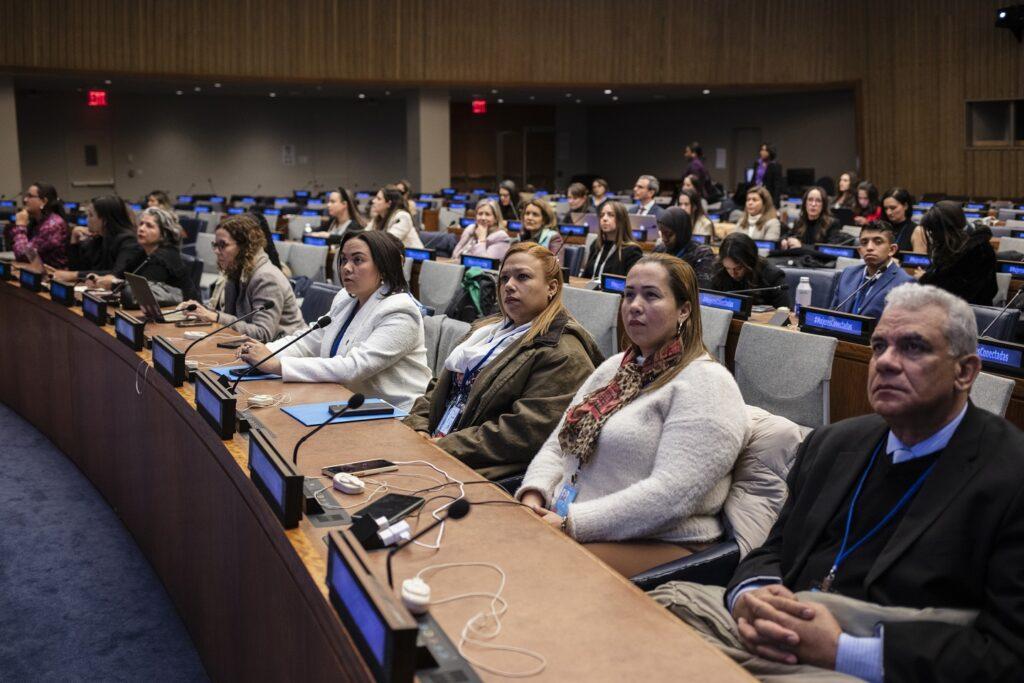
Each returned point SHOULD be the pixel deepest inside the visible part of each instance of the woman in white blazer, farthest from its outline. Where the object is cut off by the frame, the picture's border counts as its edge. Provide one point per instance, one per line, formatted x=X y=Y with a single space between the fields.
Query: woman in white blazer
x=374 y=344
x=388 y=212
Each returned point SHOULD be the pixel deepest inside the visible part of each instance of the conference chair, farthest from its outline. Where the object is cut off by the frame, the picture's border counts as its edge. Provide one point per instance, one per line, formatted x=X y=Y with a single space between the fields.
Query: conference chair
x=823 y=281
x=1012 y=243
x=307 y=260
x=204 y=253
x=446 y=218
x=432 y=325
x=442 y=242
x=598 y=312
x=588 y=244
x=452 y=333
x=209 y=220
x=439 y=282
x=297 y=226
x=1003 y=325
x=714 y=323
x=406 y=270
x=785 y=372
x=842 y=263
x=1002 y=288
x=317 y=300
x=190 y=227
x=573 y=258
x=853 y=230
x=195 y=269
x=992 y=393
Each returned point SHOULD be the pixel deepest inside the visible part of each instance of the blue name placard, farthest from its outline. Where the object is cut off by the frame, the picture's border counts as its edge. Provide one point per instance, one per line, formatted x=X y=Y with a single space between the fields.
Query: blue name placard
x=573 y=230
x=82 y=220
x=448 y=191
x=766 y=244
x=419 y=254
x=700 y=239
x=466 y=222
x=362 y=195
x=1014 y=268
x=184 y=199
x=301 y=194
x=457 y=207
x=168 y=361
x=460 y=197
x=1004 y=357
x=136 y=207
x=272 y=212
x=911 y=259
x=6 y=271
x=974 y=207
x=8 y=203
x=61 y=293
x=33 y=282
x=276 y=479
x=479 y=262
x=613 y=283
x=215 y=405
x=216 y=200
x=832 y=250
x=94 y=309
x=1017 y=233
x=235 y=210
x=281 y=201
x=422 y=205
x=248 y=200
x=514 y=226
x=426 y=197
x=315 y=241
x=972 y=216
x=640 y=235
x=847 y=326
x=721 y=301
x=310 y=213
x=129 y=330
x=834 y=323
x=926 y=205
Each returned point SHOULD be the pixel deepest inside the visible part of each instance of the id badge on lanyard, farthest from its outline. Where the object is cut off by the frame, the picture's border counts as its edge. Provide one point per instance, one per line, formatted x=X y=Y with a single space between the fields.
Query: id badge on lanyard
x=451 y=414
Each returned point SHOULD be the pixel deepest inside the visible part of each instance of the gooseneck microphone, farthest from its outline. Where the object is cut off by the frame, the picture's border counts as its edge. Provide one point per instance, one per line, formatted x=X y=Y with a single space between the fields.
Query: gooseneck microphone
x=774 y=288
x=864 y=284
x=265 y=307
x=457 y=510
x=321 y=322
x=1001 y=311
x=354 y=402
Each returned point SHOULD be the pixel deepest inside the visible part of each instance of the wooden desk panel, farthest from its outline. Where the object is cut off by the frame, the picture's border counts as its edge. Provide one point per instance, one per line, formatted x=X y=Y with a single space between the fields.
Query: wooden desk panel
x=253 y=595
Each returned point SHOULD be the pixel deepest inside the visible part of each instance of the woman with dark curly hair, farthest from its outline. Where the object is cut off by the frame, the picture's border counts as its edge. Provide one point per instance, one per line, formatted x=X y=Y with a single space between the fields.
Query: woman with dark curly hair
x=251 y=282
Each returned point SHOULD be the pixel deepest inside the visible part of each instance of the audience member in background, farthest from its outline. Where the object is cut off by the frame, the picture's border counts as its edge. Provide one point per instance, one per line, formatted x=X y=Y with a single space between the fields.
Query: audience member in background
x=405 y=187
x=815 y=224
x=694 y=154
x=271 y=247
x=578 y=200
x=615 y=252
x=107 y=246
x=159 y=200
x=504 y=388
x=159 y=261
x=39 y=235
x=847 y=191
x=690 y=202
x=343 y=216
x=508 y=198
x=645 y=190
x=251 y=282
x=898 y=553
x=676 y=232
x=862 y=289
x=759 y=219
x=599 y=195
x=963 y=264
x=487 y=236
x=374 y=344
x=740 y=267
x=665 y=402
x=867 y=209
x=388 y=212
x=692 y=183
x=766 y=172
x=541 y=226
x=898 y=205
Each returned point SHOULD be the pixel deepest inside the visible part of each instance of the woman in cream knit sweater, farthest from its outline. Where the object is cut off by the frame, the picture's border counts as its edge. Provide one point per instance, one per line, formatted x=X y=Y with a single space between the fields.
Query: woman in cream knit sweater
x=646 y=449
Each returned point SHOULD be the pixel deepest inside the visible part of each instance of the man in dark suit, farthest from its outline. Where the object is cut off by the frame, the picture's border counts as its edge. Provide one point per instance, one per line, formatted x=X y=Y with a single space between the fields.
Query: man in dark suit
x=645 y=190
x=862 y=289
x=917 y=506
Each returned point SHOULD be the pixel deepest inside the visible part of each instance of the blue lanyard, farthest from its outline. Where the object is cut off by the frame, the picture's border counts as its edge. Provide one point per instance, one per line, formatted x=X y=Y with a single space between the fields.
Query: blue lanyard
x=844 y=552
x=469 y=376
x=341 y=332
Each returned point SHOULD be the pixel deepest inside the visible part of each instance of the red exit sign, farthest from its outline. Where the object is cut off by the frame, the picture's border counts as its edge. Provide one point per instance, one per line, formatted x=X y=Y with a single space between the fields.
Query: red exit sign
x=479 y=106
x=97 y=98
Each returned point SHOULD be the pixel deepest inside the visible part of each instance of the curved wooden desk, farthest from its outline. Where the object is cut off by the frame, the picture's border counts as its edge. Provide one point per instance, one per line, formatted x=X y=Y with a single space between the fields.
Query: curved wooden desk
x=251 y=594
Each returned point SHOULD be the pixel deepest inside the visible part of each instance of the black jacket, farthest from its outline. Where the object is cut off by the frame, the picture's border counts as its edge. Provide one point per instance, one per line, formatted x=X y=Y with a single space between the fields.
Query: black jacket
x=815 y=232
x=105 y=255
x=631 y=253
x=771 y=276
x=970 y=273
x=773 y=180
x=702 y=259
x=959 y=544
x=165 y=265
x=904 y=232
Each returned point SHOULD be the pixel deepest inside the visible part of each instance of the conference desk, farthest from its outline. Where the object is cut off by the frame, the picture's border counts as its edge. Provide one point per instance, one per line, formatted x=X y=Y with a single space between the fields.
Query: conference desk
x=253 y=595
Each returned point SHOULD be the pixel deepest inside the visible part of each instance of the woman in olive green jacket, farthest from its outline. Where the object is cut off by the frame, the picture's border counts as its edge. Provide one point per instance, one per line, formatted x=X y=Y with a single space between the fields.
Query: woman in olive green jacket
x=505 y=387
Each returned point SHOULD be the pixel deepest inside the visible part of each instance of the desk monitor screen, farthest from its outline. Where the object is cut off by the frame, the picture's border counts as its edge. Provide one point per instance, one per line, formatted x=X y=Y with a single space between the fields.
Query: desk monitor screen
x=1001 y=356
x=700 y=239
x=281 y=201
x=1014 y=268
x=275 y=479
x=613 y=283
x=276 y=236
x=422 y=205
x=235 y=210
x=834 y=250
x=82 y=220
x=479 y=262
x=426 y=197
x=909 y=258
x=448 y=191
x=363 y=195
x=129 y=330
x=973 y=216
x=1018 y=234
x=573 y=230
x=382 y=628
x=301 y=194
x=216 y=199
x=215 y=404
x=460 y=197
x=248 y=200
x=846 y=326
x=457 y=207
x=272 y=212
x=94 y=309
x=169 y=361
x=62 y=293
x=514 y=226
x=310 y=213
x=739 y=304
x=6 y=270
x=134 y=207
x=926 y=205
x=540 y=193
x=420 y=254
x=640 y=235
x=974 y=207
x=7 y=203
x=466 y=222
x=766 y=244
x=184 y=199
x=33 y=282
x=315 y=241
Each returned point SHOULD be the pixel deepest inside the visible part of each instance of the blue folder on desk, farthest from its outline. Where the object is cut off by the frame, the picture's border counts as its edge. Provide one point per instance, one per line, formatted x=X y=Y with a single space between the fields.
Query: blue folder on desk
x=226 y=372
x=312 y=414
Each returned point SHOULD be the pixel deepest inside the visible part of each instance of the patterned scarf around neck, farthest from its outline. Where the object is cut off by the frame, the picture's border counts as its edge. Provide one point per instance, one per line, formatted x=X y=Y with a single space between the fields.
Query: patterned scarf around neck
x=583 y=423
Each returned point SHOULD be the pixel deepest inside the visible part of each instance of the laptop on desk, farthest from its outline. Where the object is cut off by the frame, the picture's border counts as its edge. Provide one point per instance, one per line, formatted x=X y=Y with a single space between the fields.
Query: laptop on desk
x=147 y=302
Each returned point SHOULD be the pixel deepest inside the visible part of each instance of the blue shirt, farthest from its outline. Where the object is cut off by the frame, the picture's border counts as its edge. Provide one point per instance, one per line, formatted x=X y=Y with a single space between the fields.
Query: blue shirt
x=862 y=657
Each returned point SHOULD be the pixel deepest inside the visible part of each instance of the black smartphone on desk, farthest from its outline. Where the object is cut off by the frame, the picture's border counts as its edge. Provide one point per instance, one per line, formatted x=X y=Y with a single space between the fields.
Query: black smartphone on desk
x=393 y=506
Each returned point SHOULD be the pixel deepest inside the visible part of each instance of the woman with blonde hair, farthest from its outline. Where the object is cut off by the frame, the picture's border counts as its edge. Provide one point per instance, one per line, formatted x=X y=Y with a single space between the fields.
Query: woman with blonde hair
x=487 y=236
x=615 y=251
x=759 y=219
x=251 y=282
x=640 y=464
x=503 y=389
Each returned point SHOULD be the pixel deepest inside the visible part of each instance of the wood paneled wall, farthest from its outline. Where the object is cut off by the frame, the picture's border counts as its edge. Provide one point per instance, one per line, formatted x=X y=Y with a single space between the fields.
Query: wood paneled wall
x=914 y=62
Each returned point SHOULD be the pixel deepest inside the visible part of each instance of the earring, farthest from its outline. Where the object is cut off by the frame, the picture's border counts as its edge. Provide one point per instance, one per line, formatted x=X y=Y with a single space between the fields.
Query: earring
x=679 y=328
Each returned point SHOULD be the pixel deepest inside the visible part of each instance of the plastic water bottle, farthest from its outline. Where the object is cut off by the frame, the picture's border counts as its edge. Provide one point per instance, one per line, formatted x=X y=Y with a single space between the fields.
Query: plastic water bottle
x=803 y=294
x=308 y=228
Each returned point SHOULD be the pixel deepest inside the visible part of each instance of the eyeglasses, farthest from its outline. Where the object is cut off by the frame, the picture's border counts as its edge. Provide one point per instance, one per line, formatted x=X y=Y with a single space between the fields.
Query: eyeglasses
x=220 y=245
x=31 y=196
